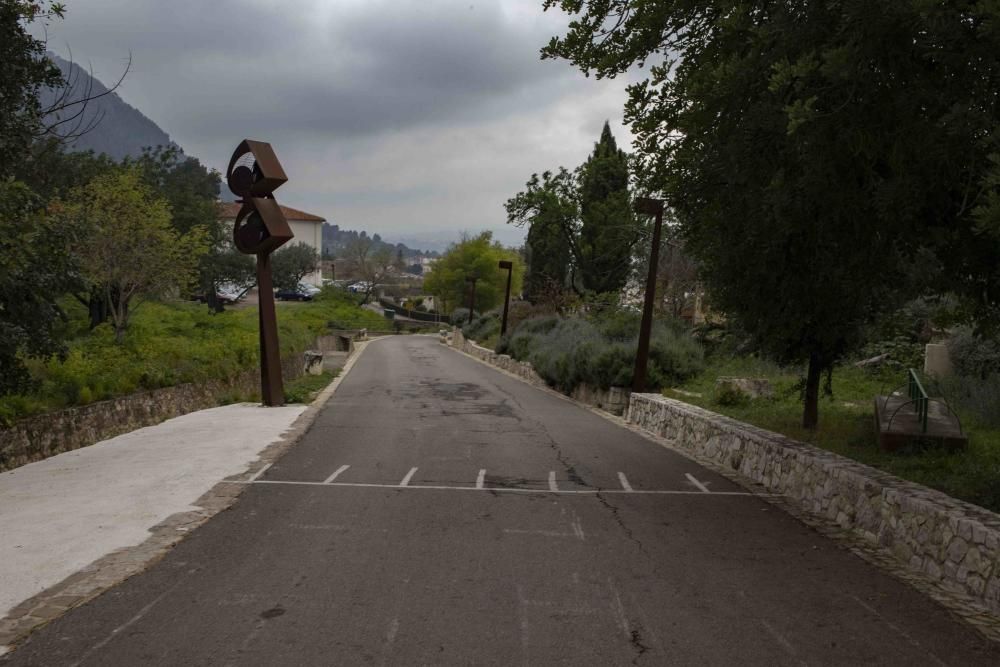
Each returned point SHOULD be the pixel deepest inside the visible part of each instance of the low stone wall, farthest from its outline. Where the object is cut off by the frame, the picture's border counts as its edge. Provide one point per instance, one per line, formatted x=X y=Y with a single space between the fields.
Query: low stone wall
x=613 y=400
x=40 y=437
x=954 y=543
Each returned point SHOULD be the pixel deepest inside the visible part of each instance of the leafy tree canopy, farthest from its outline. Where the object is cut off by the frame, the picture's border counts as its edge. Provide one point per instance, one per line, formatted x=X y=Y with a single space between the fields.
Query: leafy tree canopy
x=811 y=151
x=478 y=257
x=128 y=246
x=291 y=263
x=36 y=266
x=548 y=206
x=24 y=71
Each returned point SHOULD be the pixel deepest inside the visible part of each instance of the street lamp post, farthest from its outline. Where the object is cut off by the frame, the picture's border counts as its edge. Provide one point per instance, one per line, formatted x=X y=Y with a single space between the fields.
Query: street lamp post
x=653 y=207
x=509 y=265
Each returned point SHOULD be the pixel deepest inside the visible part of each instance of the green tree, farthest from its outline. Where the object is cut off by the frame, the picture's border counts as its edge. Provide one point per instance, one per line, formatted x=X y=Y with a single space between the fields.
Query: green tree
x=291 y=263
x=24 y=71
x=479 y=257
x=370 y=259
x=548 y=207
x=192 y=191
x=36 y=267
x=812 y=150
x=128 y=246
x=608 y=228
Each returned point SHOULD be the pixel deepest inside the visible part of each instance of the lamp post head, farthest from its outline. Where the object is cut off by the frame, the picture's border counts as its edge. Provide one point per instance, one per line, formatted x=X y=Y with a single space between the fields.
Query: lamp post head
x=506 y=264
x=648 y=205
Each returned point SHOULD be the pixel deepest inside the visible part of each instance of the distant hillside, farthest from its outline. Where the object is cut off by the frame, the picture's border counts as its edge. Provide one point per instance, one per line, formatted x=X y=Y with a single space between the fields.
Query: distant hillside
x=122 y=131
x=335 y=240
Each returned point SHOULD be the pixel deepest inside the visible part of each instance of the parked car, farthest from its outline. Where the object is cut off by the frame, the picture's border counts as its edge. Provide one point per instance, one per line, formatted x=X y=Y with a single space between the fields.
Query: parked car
x=303 y=292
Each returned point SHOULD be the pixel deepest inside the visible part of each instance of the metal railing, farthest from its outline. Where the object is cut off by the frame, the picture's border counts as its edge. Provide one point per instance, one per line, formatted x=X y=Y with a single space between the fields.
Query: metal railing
x=920 y=401
x=918 y=395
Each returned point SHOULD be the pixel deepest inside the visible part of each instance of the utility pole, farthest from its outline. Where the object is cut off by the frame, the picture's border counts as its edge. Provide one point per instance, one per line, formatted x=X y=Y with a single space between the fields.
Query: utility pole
x=653 y=207
x=509 y=265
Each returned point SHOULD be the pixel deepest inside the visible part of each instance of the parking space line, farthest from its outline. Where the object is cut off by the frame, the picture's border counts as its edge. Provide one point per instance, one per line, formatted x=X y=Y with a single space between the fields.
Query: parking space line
x=481 y=480
x=701 y=487
x=409 y=476
x=625 y=485
x=578 y=492
x=552 y=482
x=260 y=472
x=336 y=474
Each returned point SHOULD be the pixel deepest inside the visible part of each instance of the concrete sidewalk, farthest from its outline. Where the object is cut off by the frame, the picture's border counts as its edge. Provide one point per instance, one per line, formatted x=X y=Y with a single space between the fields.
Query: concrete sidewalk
x=63 y=513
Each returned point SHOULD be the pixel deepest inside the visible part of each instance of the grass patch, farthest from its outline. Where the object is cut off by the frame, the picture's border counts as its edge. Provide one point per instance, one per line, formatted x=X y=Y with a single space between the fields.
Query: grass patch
x=305 y=389
x=170 y=343
x=847 y=426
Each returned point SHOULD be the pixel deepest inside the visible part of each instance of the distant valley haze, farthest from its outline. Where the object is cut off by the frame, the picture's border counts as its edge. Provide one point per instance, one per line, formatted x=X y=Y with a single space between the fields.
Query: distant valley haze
x=415 y=119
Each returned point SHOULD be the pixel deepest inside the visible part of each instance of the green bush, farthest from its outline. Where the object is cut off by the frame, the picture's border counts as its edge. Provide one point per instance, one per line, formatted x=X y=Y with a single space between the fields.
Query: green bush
x=483 y=327
x=171 y=343
x=459 y=317
x=974 y=356
x=600 y=350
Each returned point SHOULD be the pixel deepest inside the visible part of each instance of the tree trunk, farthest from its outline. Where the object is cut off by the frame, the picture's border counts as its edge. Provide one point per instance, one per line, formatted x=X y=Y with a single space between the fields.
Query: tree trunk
x=215 y=305
x=810 y=413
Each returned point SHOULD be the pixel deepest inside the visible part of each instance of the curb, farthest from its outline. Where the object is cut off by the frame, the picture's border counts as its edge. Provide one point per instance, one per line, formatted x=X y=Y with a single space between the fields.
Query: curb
x=114 y=568
x=963 y=609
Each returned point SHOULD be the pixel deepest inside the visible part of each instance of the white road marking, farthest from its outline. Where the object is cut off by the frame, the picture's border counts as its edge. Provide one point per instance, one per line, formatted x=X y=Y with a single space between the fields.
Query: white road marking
x=570 y=492
x=902 y=633
x=260 y=472
x=409 y=476
x=701 y=487
x=542 y=533
x=577 y=526
x=481 y=480
x=619 y=610
x=553 y=487
x=336 y=474
x=132 y=621
x=625 y=485
x=778 y=637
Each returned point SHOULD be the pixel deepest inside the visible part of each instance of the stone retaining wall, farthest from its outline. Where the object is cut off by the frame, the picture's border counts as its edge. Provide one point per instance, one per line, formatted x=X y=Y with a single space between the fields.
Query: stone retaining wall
x=613 y=400
x=40 y=437
x=954 y=543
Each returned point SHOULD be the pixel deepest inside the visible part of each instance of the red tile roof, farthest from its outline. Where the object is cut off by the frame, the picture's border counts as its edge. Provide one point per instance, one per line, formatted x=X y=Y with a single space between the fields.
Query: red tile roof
x=229 y=211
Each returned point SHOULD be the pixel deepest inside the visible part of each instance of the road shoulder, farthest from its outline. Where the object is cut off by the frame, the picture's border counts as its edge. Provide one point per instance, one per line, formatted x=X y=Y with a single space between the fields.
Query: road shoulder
x=80 y=523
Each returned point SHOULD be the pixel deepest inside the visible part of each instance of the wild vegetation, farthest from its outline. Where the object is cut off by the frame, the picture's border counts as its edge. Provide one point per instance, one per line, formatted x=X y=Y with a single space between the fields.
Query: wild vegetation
x=849 y=423
x=824 y=162
x=169 y=343
x=475 y=257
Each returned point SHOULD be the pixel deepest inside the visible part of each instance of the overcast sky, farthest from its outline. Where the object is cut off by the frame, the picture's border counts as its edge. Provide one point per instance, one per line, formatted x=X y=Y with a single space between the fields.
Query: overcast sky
x=404 y=117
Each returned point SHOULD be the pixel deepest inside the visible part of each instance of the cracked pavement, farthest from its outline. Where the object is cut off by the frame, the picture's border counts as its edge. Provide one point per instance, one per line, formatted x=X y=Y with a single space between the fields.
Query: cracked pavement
x=440 y=512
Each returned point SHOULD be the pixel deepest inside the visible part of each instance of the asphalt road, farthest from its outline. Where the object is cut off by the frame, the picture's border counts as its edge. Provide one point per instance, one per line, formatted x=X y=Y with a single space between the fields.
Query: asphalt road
x=473 y=519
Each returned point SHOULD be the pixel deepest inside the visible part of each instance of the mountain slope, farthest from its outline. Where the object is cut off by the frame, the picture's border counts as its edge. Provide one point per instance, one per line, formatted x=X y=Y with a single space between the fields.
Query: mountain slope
x=122 y=131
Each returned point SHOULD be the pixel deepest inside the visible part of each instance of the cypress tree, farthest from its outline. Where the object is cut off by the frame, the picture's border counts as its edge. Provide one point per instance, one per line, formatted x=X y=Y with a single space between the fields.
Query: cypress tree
x=608 y=228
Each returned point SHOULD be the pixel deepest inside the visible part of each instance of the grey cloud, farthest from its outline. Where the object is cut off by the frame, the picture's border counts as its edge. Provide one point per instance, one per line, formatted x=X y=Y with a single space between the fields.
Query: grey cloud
x=388 y=114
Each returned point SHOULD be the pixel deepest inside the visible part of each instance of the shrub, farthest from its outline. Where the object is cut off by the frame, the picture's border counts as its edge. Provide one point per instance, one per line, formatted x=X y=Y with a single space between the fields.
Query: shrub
x=483 y=327
x=973 y=356
x=597 y=351
x=460 y=317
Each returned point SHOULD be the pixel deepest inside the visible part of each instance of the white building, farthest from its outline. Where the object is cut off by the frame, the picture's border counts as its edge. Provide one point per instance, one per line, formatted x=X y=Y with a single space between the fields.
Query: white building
x=306 y=228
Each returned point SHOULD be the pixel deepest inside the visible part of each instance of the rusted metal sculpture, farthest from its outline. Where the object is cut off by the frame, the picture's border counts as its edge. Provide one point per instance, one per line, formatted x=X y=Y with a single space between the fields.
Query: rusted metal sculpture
x=509 y=265
x=254 y=173
x=652 y=207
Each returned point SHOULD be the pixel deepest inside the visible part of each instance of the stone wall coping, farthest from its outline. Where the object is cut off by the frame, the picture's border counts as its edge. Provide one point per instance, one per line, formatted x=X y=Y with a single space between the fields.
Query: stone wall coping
x=871 y=480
